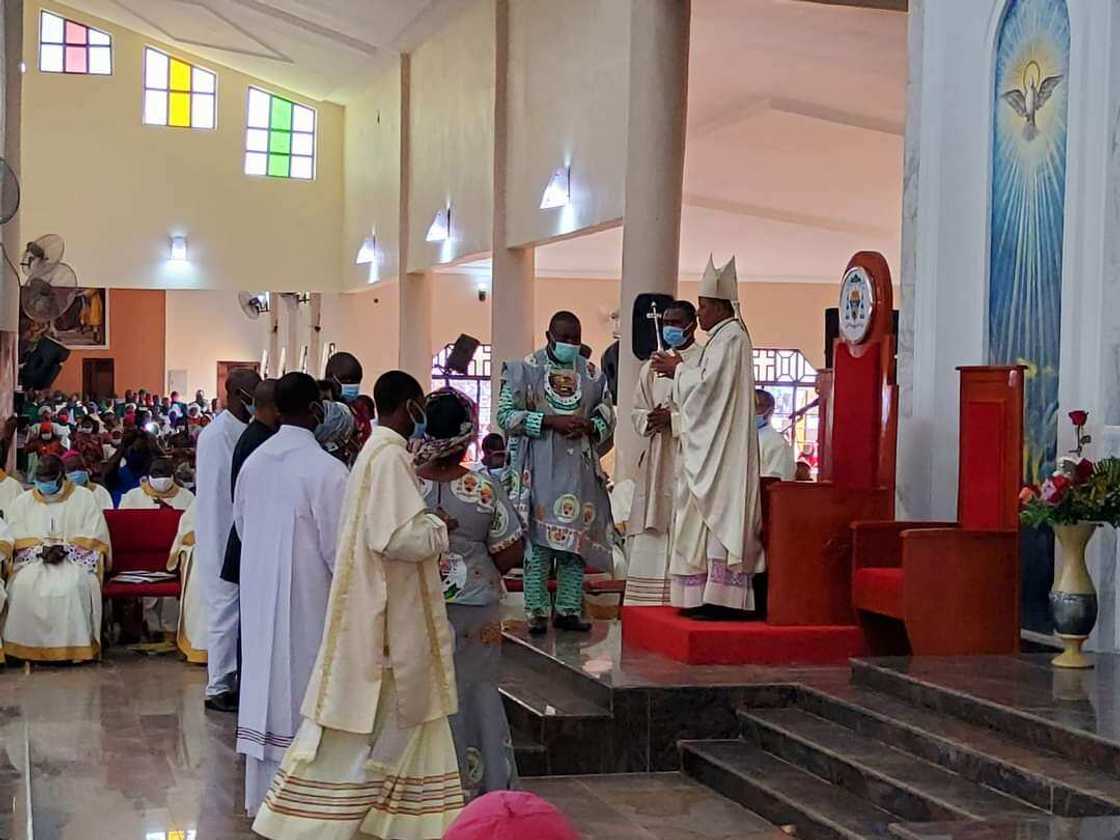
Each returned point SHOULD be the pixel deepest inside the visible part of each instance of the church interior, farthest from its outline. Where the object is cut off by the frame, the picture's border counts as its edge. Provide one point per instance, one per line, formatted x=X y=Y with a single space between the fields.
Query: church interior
x=916 y=204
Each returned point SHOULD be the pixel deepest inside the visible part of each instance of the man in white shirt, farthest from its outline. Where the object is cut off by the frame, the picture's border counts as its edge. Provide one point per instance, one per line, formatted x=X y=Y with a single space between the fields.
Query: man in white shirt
x=775 y=455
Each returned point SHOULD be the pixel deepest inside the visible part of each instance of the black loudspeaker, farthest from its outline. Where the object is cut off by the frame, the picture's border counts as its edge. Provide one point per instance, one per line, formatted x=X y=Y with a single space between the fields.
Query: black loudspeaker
x=643 y=333
x=832 y=332
x=42 y=364
x=462 y=354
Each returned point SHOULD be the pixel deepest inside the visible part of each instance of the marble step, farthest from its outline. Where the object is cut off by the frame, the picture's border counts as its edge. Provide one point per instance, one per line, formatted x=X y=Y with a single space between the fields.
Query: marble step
x=534 y=654
x=1019 y=697
x=573 y=732
x=1045 y=779
x=912 y=789
x=781 y=793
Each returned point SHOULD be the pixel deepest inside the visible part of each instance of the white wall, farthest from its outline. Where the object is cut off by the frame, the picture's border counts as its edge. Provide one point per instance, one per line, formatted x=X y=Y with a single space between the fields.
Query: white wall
x=207 y=327
x=451 y=137
x=567 y=104
x=372 y=158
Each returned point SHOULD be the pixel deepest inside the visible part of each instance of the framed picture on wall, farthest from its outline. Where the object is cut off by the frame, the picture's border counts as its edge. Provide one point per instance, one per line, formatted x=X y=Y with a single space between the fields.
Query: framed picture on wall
x=82 y=322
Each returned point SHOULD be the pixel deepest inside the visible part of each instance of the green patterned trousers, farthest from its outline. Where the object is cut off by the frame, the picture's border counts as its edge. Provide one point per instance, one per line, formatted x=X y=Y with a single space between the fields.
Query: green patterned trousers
x=569 y=581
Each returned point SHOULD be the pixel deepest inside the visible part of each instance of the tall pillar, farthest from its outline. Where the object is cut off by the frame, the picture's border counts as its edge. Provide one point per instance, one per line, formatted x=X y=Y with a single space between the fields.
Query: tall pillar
x=11 y=43
x=659 y=34
x=512 y=269
x=274 y=370
x=416 y=326
x=315 y=358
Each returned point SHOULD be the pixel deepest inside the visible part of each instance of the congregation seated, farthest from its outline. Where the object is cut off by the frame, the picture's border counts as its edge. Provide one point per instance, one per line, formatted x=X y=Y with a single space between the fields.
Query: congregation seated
x=60 y=551
x=158 y=489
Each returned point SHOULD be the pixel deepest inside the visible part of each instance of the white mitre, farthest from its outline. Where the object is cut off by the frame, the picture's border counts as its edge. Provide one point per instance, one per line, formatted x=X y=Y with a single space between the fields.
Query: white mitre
x=720 y=283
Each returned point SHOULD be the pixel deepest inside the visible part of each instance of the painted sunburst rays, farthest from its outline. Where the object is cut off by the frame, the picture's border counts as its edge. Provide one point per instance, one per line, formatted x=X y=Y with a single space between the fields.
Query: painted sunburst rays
x=1028 y=209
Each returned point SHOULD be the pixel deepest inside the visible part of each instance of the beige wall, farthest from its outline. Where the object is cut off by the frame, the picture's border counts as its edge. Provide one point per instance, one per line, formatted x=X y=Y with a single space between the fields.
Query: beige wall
x=372 y=156
x=568 y=100
x=451 y=137
x=204 y=328
x=117 y=190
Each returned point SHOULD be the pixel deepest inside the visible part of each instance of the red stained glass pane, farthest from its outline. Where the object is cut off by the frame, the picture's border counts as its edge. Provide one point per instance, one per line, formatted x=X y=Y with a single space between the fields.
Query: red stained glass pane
x=75 y=33
x=76 y=60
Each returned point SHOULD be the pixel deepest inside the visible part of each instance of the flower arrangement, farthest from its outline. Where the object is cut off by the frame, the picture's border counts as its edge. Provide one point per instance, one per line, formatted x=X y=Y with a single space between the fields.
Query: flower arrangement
x=1079 y=490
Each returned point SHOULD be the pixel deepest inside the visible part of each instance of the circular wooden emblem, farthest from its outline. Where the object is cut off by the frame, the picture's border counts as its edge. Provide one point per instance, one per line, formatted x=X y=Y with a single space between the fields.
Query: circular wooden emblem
x=857 y=305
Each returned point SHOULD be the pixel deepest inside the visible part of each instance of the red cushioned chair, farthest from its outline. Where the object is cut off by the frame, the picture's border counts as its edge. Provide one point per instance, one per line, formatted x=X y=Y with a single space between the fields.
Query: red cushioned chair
x=141 y=541
x=952 y=588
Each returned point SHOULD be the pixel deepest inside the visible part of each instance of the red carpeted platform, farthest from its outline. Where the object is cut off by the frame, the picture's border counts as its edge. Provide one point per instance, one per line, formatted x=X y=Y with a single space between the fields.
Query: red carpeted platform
x=663 y=630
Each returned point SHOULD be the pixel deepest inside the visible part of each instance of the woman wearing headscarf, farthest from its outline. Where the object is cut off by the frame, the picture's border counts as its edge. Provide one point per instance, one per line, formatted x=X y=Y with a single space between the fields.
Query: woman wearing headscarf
x=486 y=541
x=336 y=430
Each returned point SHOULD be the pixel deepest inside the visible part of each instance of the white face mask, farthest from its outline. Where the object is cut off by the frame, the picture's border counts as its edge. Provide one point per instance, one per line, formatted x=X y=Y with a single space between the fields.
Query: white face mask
x=161 y=485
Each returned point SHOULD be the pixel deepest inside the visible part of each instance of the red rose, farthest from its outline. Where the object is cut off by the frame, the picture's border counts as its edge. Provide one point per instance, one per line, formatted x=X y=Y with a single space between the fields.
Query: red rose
x=1083 y=471
x=1028 y=494
x=1079 y=417
x=1055 y=488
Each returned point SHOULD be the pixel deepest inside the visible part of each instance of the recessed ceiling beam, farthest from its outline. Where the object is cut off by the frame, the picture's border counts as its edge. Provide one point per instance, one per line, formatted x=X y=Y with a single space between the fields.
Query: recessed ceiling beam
x=883 y=5
x=790 y=217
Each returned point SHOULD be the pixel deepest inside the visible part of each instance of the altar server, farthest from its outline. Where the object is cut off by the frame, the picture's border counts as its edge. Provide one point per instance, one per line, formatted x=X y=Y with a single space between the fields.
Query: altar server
x=285 y=509
x=657 y=420
x=775 y=455
x=717 y=545
x=375 y=754
x=190 y=635
x=213 y=519
x=61 y=546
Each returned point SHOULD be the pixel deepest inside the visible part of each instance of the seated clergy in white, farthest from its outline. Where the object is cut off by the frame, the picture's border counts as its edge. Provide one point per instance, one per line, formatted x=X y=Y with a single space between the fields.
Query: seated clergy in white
x=190 y=635
x=61 y=550
x=77 y=471
x=657 y=419
x=717 y=534
x=285 y=509
x=775 y=455
x=158 y=489
x=9 y=490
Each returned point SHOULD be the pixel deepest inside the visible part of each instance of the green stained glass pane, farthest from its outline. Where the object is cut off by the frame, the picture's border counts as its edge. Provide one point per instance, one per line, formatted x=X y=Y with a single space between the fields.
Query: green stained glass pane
x=279 y=142
x=278 y=166
x=281 y=114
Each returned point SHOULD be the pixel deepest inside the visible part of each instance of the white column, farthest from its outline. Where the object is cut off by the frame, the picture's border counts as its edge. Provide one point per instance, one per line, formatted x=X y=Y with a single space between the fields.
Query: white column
x=315 y=334
x=12 y=86
x=659 y=33
x=416 y=326
x=512 y=269
x=273 y=336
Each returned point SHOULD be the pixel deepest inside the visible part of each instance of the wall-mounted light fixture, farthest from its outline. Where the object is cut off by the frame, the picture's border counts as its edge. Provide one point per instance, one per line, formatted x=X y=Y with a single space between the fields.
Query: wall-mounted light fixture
x=482 y=286
x=440 y=229
x=367 y=251
x=179 y=248
x=558 y=191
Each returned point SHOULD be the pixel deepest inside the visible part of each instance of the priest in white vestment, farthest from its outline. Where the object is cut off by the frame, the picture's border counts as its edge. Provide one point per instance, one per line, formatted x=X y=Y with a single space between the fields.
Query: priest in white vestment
x=77 y=471
x=213 y=519
x=190 y=633
x=6 y=549
x=60 y=553
x=375 y=754
x=657 y=419
x=775 y=455
x=157 y=490
x=717 y=542
x=285 y=509
x=9 y=490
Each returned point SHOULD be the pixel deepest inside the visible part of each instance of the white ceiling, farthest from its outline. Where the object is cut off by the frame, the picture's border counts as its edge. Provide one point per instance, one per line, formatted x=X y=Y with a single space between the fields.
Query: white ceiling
x=324 y=49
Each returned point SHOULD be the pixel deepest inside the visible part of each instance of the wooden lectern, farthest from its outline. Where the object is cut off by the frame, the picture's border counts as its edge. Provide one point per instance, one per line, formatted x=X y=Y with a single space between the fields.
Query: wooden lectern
x=808 y=525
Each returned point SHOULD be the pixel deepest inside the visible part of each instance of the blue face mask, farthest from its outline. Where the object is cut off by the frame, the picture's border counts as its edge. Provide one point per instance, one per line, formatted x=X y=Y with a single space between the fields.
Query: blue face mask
x=674 y=336
x=49 y=488
x=761 y=423
x=419 y=424
x=565 y=354
x=351 y=392
x=79 y=477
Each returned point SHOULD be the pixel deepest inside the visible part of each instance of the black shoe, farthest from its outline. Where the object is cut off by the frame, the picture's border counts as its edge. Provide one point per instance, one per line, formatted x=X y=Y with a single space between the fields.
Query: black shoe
x=571 y=622
x=226 y=702
x=538 y=625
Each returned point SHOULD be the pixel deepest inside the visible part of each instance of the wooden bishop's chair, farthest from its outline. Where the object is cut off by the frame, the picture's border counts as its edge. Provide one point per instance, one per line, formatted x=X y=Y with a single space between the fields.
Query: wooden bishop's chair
x=952 y=588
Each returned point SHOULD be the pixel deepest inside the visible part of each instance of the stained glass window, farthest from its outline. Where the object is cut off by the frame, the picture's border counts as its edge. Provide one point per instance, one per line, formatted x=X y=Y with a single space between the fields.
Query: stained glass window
x=280 y=138
x=788 y=375
x=66 y=46
x=475 y=383
x=176 y=93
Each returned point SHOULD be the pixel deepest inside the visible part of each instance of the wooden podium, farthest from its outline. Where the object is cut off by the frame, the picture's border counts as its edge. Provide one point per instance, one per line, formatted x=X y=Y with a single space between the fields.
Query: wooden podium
x=808 y=525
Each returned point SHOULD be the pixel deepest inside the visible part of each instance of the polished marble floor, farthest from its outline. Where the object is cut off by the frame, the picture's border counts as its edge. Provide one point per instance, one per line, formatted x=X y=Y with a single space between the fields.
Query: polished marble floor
x=124 y=749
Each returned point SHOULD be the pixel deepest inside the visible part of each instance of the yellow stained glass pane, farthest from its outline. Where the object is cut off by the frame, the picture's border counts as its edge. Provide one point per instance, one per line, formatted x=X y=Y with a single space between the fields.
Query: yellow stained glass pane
x=180 y=75
x=180 y=111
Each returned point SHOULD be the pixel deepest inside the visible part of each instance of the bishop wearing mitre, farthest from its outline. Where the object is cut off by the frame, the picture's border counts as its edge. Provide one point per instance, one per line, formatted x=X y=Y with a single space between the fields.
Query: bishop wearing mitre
x=716 y=544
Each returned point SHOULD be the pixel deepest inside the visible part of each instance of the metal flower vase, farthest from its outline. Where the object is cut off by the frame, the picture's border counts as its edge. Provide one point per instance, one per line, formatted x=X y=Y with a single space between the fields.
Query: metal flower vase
x=1073 y=600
